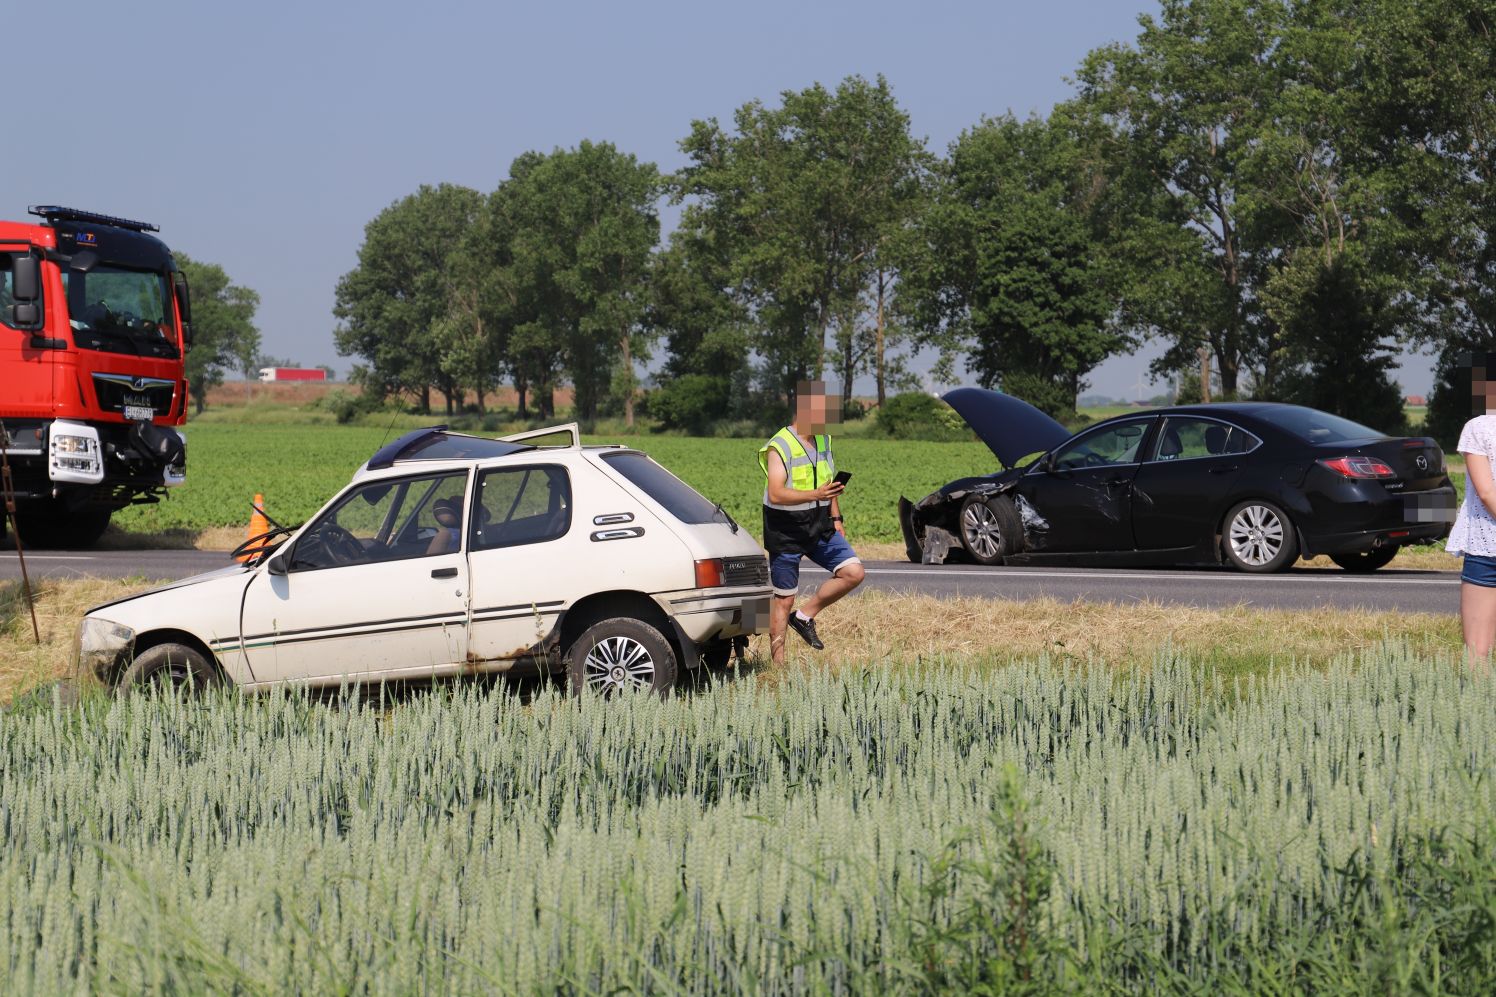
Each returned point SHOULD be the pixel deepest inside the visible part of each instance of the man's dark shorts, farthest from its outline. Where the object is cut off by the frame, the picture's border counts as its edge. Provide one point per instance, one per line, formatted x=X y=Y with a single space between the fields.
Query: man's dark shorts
x=833 y=554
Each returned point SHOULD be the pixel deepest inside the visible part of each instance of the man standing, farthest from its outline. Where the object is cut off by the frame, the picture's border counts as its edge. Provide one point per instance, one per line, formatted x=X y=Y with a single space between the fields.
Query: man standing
x=802 y=518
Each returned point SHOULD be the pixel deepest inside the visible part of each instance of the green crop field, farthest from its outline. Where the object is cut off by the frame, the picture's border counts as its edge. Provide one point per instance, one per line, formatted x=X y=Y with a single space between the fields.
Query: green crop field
x=298 y=467
x=939 y=829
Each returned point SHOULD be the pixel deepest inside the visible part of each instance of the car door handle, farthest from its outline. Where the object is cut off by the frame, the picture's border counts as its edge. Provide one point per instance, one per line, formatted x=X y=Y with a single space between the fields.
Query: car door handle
x=1227 y=469
x=443 y=572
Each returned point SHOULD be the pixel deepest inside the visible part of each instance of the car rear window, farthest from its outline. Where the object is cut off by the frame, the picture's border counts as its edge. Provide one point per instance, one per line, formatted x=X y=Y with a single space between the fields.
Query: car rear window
x=679 y=499
x=1316 y=426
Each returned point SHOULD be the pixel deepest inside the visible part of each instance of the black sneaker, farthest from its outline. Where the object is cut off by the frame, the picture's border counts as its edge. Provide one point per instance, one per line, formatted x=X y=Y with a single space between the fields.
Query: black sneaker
x=806 y=629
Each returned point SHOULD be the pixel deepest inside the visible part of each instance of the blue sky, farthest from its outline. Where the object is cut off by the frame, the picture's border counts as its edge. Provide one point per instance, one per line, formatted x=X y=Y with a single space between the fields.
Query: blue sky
x=264 y=136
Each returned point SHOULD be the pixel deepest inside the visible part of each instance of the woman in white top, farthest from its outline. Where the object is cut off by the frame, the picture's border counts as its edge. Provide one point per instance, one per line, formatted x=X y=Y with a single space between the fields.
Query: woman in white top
x=1474 y=533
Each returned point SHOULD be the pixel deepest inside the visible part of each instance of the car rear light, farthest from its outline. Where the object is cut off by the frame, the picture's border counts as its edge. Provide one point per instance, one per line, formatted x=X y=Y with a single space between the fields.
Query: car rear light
x=1359 y=467
x=709 y=573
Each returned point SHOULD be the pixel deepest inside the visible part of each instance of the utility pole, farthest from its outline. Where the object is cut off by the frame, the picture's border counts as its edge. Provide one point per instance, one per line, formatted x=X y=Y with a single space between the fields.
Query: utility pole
x=1204 y=354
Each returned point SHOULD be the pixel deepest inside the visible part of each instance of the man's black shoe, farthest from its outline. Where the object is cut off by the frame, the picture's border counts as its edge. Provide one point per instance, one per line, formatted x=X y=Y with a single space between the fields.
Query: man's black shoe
x=806 y=629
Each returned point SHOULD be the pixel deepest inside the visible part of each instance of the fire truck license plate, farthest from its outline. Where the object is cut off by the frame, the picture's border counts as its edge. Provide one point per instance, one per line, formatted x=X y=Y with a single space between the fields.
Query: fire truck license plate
x=140 y=413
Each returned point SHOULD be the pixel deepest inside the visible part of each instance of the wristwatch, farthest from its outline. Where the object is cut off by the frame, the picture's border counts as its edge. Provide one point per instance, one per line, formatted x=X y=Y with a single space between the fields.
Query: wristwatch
x=838 y=519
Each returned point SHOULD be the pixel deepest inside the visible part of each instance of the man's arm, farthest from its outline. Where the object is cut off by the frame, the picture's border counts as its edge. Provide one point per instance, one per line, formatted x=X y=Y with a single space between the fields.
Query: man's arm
x=780 y=492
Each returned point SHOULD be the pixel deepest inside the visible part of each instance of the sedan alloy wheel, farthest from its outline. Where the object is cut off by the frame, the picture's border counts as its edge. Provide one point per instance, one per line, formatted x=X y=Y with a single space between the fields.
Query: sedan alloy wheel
x=1259 y=537
x=618 y=664
x=621 y=655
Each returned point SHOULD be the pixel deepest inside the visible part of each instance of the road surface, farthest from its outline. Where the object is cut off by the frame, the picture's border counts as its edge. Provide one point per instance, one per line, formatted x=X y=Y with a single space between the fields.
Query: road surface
x=1304 y=588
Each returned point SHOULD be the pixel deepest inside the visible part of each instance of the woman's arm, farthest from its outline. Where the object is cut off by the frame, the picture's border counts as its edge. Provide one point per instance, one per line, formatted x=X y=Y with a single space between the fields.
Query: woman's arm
x=1478 y=473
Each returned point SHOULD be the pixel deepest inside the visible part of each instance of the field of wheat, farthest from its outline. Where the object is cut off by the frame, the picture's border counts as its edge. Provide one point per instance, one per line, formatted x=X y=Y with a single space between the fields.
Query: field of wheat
x=1028 y=828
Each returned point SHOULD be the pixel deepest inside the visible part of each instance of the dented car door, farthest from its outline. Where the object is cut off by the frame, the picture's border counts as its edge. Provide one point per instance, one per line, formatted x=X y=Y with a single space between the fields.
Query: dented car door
x=1080 y=497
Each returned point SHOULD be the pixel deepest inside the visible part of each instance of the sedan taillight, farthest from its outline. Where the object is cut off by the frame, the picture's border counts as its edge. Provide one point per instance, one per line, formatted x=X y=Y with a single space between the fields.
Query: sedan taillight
x=1359 y=467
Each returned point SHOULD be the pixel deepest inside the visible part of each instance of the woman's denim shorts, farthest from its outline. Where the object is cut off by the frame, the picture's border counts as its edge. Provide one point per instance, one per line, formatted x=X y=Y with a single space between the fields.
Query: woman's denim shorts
x=1479 y=571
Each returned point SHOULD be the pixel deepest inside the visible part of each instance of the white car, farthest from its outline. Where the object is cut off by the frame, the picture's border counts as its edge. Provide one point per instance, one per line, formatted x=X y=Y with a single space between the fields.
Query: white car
x=451 y=554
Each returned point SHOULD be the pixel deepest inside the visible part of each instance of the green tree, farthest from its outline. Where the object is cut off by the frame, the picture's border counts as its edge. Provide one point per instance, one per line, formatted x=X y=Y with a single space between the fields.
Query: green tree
x=392 y=305
x=580 y=226
x=804 y=198
x=1014 y=272
x=223 y=327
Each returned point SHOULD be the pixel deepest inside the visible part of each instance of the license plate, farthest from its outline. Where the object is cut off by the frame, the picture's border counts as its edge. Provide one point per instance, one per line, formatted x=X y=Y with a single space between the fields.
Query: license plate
x=142 y=413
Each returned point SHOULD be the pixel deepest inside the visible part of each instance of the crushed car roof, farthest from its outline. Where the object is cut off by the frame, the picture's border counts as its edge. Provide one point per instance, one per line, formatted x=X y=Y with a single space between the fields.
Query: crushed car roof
x=1011 y=427
x=435 y=443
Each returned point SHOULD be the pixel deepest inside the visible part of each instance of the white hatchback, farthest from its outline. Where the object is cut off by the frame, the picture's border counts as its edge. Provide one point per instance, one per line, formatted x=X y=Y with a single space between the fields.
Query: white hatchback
x=451 y=554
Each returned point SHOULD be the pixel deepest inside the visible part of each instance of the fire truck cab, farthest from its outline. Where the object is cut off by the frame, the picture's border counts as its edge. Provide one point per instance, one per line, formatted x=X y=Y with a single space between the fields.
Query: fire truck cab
x=95 y=322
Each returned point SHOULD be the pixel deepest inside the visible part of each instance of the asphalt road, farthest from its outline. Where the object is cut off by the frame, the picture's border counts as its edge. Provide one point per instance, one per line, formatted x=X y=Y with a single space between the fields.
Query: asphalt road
x=1305 y=588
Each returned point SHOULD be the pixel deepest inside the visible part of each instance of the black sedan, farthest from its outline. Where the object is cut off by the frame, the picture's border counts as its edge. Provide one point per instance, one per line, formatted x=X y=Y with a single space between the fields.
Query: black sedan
x=1254 y=485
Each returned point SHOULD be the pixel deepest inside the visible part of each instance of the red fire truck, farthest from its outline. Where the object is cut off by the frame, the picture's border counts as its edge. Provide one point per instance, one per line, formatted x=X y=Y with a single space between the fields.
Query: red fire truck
x=94 y=323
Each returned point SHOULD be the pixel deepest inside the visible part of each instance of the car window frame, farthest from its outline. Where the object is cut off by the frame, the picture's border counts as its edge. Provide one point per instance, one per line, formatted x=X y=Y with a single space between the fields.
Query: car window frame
x=1048 y=463
x=402 y=482
x=471 y=540
x=1158 y=438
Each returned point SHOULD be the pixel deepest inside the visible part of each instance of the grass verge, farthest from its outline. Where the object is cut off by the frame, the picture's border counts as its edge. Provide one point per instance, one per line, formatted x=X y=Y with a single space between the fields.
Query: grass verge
x=878 y=628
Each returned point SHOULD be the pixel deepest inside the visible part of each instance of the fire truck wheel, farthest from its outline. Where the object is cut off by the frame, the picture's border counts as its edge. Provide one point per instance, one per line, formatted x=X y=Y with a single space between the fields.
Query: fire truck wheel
x=47 y=528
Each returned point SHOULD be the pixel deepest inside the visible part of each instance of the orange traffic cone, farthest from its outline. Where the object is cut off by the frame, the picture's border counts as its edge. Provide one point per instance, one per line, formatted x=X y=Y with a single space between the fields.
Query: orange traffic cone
x=258 y=525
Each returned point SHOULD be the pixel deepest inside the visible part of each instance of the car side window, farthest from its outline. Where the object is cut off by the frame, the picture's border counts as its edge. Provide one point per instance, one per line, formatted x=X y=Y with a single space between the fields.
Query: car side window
x=1111 y=445
x=6 y=295
x=1187 y=438
x=521 y=505
x=386 y=521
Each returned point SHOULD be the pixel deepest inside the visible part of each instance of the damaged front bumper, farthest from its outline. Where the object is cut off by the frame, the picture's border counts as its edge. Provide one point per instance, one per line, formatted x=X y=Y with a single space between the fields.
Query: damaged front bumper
x=101 y=647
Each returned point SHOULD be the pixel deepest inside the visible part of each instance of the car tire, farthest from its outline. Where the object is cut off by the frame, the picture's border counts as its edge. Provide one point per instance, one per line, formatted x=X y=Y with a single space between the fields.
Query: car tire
x=620 y=655
x=1259 y=537
x=990 y=528
x=1365 y=562
x=173 y=666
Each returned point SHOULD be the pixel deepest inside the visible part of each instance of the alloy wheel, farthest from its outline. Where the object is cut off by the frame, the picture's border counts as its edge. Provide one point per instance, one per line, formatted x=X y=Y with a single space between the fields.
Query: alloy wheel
x=1256 y=535
x=981 y=532
x=618 y=664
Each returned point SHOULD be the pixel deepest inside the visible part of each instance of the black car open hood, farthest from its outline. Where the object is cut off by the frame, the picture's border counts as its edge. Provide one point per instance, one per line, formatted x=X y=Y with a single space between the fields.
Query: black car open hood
x=1011 y=427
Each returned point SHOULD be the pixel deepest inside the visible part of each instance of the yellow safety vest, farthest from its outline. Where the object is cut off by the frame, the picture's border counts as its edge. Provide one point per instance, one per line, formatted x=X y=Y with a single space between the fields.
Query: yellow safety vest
x=806 y=471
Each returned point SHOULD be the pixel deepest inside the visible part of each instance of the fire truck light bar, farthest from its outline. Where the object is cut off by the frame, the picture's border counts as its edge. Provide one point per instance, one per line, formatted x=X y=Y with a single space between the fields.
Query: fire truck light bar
x=52 y=213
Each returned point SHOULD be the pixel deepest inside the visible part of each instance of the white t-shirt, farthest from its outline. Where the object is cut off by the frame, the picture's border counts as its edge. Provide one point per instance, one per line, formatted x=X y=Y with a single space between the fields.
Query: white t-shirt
x=1475 y=528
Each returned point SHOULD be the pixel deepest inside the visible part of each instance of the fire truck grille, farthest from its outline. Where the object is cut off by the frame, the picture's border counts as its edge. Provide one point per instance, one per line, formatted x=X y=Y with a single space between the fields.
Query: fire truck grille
x=745 y=571
x=116 y=391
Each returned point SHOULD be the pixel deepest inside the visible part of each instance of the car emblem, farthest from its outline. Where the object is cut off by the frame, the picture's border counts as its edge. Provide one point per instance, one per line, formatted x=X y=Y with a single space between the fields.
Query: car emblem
x=1421 y=461
x=138 y=384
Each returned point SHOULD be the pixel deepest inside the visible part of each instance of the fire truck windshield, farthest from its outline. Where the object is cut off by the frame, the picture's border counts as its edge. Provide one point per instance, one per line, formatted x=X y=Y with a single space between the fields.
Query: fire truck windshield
x=121 y=311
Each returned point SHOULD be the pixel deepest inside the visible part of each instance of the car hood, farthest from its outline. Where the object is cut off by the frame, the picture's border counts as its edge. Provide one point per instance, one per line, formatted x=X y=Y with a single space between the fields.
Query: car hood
x=207 y=576
x=1011 y=427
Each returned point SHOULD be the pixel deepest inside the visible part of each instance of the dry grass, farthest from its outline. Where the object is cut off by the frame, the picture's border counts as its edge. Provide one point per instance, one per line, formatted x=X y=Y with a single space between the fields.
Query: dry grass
x=213 y=538
x=60 y=604
x=877 y=627
x=885 y=628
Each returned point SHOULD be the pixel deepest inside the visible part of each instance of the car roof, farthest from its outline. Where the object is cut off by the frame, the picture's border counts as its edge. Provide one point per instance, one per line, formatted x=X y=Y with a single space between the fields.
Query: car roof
x=437 y=446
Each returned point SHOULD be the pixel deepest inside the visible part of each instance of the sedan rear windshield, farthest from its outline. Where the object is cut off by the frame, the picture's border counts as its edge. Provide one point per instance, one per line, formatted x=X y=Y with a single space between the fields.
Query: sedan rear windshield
x=679 y=499
x=1315 y=426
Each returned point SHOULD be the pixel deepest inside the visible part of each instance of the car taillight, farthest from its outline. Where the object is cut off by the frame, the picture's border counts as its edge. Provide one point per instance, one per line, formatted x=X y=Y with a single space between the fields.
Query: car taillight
x=1359 y=467
x=709 y=573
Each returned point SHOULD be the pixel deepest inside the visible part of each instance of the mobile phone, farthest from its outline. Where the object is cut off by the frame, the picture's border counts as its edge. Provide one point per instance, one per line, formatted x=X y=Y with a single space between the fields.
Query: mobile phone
x=842 y=477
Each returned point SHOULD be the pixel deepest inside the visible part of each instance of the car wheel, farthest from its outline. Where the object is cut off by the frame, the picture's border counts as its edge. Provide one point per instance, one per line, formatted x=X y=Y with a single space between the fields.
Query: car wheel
x=1259 y=537
x=1371 y=560
x=990 y=528
x=169 y=666
x=618 y=656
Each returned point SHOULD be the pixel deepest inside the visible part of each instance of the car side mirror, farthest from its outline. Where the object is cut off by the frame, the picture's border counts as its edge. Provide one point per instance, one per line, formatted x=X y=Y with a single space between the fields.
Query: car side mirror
x=279 y=563
x=26 y=290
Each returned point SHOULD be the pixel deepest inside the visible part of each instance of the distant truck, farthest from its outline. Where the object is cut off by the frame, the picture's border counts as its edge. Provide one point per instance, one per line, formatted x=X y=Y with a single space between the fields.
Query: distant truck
x=95 y=321
x=268 y=374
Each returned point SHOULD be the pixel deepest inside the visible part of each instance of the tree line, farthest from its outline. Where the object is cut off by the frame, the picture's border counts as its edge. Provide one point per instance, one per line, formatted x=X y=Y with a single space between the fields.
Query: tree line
x=1284 y=194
